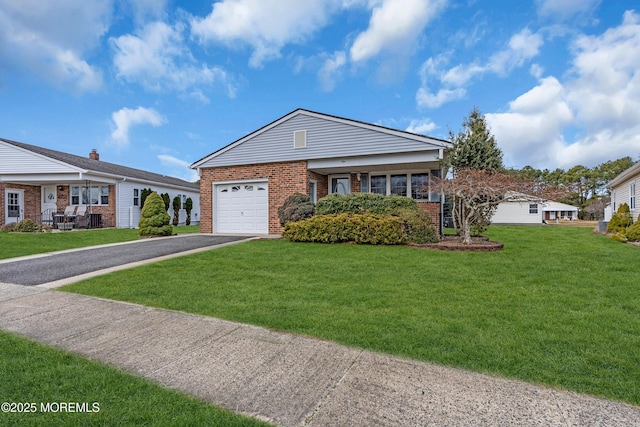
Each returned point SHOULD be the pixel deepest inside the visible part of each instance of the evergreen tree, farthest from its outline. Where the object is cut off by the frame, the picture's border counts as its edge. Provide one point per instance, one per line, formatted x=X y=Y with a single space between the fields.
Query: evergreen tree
x=154 y=220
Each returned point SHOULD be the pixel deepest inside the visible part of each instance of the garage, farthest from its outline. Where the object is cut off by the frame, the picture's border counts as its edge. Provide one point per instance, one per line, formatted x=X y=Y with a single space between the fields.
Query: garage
x=241 y=207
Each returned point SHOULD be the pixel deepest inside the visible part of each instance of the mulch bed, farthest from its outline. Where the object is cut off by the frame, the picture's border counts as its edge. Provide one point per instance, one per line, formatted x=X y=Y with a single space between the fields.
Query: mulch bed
x=454 y=243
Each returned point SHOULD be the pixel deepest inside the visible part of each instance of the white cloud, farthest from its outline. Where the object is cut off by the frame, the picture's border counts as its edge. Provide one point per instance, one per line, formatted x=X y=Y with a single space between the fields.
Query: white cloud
x=126 y=118
x=394 y=27
x=158 y=58
x=51 y=38
x=561 y=10
x=599 y=103
x=421 y=126
x=330 y=69
x=264 y=25
x=178 y=168
x=521 y=47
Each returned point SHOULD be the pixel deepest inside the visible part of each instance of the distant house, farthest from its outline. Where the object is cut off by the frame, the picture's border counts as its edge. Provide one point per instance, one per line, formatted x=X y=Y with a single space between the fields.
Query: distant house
x=41 y=184
x=623 y=190
x=244 y=183
x=533 y=212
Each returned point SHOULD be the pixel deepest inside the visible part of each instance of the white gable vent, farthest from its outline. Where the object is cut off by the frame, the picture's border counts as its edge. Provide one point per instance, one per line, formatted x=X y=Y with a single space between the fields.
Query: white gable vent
x=300 y=139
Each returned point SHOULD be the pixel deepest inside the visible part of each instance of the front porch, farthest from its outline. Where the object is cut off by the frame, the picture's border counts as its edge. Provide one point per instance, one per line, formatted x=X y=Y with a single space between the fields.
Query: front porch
x=60 y=206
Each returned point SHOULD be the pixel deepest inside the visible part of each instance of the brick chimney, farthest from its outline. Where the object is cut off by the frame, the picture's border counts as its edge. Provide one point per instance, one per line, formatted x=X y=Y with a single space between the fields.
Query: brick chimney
x=93 y=155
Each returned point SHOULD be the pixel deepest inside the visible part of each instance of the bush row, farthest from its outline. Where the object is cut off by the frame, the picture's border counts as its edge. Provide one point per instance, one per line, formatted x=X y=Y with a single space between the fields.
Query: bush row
x=363 y=203
x=347 y=227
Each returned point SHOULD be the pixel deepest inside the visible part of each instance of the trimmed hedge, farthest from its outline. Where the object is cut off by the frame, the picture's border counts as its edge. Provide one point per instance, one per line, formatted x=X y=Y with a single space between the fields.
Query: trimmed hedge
x=348 y=227
x=361 y=203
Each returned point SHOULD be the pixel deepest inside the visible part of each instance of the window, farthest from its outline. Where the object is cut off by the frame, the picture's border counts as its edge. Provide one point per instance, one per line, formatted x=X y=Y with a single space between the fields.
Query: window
x=420 y=186
x=533 y=208
x=399 y=185
x=364 y=182
x=313 y=190
x=75 y=195
x=184 y=200
x=136 y=197
x=91 y=195
x=104 y=195
x=435 y=197
x=340 y=184
x=632 y=195
x=379 y=184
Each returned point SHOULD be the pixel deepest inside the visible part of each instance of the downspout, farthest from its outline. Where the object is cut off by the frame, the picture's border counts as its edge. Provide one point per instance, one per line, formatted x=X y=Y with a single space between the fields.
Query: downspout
x=441 y=156
x=117 y=206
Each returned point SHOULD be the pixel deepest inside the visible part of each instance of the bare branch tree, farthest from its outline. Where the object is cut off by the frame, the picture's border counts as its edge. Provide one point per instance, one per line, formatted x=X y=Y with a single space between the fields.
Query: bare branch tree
x=477 y=194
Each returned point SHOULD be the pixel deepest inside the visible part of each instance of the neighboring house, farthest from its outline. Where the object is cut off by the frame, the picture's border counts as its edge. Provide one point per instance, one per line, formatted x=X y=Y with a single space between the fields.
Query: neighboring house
x=625 y=188
x=243 y=184
x=38 y=183
x=533 y=212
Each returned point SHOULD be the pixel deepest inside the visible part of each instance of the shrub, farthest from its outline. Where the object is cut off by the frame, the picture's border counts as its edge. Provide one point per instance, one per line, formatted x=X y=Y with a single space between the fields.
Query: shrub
x=177 y=203
x=348 y=227
x=418 y=226
x=619 y=237
x=363 y=203
x=154 y=220
x=167 y=201
x=188 y=205
x=295 y=208
x=633 y=232
x=8 y=228
x=620 y=220
x=27 y=226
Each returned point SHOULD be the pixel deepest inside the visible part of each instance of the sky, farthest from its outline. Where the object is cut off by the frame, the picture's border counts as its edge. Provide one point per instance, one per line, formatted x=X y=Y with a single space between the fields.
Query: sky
x=159 y=84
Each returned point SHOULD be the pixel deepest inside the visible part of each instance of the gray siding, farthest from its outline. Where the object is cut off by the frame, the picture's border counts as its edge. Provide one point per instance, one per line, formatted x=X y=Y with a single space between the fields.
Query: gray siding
x=326 y=138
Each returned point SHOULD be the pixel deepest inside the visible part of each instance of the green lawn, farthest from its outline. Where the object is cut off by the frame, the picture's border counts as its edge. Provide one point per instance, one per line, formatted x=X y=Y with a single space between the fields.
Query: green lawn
x=558 y=306
x=32 y=373
x=21 y=244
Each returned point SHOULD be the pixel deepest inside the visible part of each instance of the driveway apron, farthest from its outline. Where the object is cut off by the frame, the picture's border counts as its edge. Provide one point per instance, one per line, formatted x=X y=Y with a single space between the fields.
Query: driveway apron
x=57 y=266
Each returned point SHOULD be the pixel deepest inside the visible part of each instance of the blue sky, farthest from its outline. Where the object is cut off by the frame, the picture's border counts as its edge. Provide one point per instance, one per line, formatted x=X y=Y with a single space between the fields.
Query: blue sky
x=159 y=84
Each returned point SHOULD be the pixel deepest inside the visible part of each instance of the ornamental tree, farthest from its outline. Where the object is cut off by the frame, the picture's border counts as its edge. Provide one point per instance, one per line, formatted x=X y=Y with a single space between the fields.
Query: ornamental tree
x=477 y=193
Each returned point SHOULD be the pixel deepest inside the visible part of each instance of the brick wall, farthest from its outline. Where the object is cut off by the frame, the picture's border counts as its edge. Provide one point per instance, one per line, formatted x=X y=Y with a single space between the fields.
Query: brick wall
x=284 y=179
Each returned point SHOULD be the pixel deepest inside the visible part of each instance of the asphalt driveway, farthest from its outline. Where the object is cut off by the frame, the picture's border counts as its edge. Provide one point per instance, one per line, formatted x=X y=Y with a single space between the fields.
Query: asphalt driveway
x=47 y=268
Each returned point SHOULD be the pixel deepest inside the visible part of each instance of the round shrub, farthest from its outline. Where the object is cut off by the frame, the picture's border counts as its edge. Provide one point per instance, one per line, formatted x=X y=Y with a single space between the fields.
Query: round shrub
x=418 y=226
x=296 y=207
x=154 y=220
x=27 y=226
x=620 y=220
x=8 y=228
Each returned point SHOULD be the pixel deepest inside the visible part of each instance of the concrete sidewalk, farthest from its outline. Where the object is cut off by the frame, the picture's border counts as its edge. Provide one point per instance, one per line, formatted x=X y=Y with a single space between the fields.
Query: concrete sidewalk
x=288 y=379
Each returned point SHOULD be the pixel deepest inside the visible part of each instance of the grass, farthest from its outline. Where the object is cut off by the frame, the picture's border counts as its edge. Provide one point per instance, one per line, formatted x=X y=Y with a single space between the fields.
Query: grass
x=35 y=373
x=21 y=244
x=558 y=306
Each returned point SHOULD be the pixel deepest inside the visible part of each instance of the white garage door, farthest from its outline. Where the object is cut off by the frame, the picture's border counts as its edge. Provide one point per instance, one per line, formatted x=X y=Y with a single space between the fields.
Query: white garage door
x=241 y=208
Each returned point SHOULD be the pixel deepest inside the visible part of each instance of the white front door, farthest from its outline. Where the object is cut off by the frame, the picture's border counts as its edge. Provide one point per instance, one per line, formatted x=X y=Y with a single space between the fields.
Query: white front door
x=241 y=207
x=49 y=206
x=14 y=205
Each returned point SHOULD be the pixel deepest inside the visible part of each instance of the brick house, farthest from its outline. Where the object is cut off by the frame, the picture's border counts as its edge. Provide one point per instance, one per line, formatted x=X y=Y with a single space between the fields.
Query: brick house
x=243 y=184
x=40 y=184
